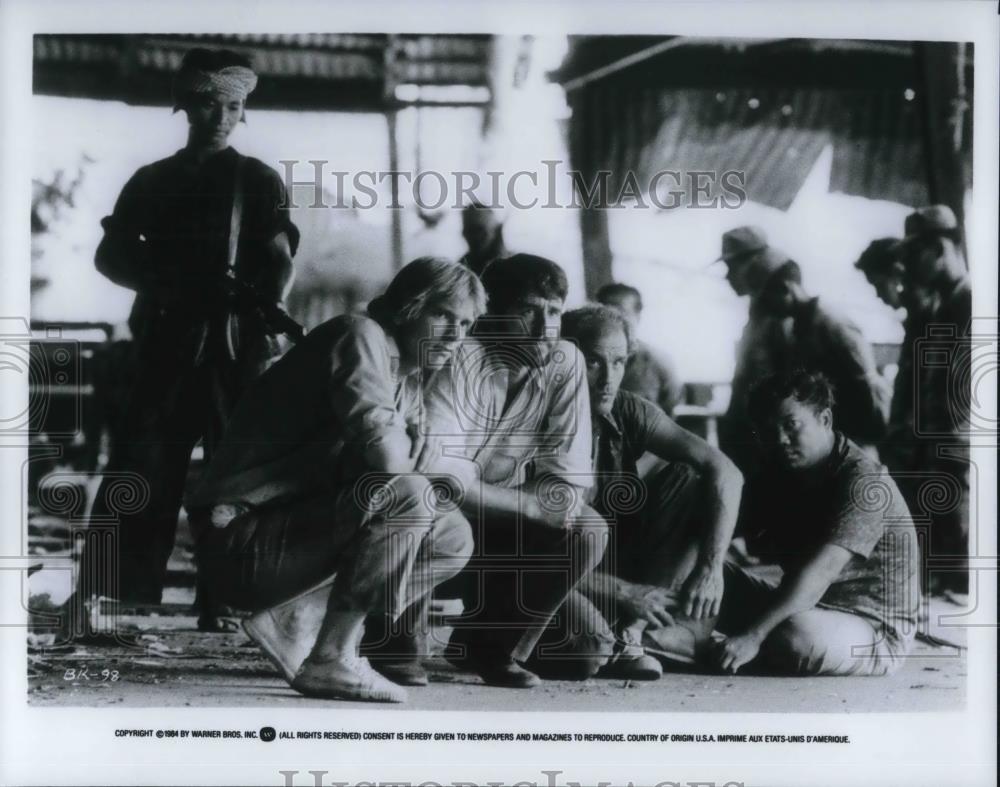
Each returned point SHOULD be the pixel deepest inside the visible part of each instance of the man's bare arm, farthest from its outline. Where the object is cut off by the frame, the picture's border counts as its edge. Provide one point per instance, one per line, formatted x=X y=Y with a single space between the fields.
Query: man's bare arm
x=702 y=591
x=798 y=592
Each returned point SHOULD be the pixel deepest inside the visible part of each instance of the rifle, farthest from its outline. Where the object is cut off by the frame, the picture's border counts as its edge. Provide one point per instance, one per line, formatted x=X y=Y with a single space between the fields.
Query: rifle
x=246 y=296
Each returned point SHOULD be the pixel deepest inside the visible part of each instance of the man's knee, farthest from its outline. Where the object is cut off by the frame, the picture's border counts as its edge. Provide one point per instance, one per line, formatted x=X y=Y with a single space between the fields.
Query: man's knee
x=579 y=657
x=803 y=645
x=452 y=536
x=406 y=498
x=796 y=638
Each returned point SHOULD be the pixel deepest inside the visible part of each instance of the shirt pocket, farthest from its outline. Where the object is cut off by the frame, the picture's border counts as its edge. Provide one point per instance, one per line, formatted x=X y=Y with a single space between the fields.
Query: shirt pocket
x=500 y=468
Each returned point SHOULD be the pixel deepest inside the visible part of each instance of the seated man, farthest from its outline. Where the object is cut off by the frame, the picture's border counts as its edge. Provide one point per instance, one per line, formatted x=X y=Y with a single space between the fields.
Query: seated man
x=669 y=534
x=835 y=522
x=317 y=488
x=517 y=406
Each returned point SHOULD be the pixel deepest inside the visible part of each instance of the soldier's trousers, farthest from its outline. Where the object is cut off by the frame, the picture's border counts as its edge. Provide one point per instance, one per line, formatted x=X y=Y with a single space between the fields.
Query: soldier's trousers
x=173 y=405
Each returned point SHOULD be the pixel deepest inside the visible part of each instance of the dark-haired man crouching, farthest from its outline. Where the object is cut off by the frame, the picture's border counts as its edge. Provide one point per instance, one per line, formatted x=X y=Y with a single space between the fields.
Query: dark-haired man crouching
x=517 y=406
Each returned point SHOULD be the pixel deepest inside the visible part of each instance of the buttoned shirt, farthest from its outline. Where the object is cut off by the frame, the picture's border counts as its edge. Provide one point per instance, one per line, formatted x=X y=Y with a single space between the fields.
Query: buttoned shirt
x=515 y=418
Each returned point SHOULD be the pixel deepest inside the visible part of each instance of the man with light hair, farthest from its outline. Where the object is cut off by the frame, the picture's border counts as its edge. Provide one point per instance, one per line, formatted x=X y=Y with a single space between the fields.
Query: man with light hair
x=662 y=575
x=317 y=512
x=179 y=228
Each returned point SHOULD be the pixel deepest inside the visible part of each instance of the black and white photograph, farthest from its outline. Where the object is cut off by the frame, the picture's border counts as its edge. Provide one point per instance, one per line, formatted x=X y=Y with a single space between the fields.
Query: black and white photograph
x=561 y=394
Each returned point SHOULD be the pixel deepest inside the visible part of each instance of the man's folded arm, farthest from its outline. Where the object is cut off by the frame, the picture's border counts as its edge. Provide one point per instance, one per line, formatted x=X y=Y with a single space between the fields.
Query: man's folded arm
x=362 y=392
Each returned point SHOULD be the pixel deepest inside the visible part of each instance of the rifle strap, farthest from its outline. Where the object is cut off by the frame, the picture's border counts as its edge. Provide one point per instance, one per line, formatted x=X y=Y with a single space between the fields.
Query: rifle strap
x=236 y=219
x=232 y=326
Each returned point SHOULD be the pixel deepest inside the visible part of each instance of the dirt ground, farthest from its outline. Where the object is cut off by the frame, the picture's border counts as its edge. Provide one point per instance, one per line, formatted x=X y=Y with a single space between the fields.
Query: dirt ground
x=179 y=666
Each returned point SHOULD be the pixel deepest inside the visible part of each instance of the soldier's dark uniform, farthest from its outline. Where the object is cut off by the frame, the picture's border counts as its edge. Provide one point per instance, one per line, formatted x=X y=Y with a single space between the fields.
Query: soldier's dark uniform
x=168 y=239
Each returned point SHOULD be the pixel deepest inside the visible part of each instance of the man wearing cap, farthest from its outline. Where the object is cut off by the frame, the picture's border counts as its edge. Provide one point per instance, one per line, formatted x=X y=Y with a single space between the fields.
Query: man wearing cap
x=758 y=350
x=179 y=226
x=822 y=341
x=931 y=437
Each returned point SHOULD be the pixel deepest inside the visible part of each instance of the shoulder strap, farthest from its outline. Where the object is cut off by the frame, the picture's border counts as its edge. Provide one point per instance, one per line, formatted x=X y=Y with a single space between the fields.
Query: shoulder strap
x=236 y=218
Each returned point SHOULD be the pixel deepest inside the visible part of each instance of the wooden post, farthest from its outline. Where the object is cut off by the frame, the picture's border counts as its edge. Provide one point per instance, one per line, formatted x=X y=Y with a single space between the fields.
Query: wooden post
x=391 y=116
x=586 y=150
x=395 y=213
x=945 y=113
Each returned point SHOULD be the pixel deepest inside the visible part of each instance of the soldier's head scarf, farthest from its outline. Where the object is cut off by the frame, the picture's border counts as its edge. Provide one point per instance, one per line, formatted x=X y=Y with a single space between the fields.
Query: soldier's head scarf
x=224 y=74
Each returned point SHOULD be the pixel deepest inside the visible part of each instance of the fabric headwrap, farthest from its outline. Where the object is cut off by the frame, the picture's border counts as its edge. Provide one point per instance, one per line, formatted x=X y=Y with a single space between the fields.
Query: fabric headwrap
x=231 y=82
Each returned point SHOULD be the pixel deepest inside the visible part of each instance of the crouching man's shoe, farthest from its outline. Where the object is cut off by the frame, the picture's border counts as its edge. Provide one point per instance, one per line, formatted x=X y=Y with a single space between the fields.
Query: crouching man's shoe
x=397 y=653
x=405 y=673
x=287 y=632
x=505 y=673
x=630 y=661
x=345 y=678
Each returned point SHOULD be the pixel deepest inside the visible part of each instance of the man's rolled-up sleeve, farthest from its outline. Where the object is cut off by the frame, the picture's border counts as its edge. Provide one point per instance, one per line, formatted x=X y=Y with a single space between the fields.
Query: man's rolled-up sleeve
x=567 y=432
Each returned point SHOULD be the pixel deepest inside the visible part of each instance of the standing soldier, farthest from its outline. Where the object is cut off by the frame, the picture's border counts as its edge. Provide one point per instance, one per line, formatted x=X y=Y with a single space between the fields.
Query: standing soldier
x=759 y=346
x=821 y=340
x=881 y=265
x=932 y=437
x=187 y=233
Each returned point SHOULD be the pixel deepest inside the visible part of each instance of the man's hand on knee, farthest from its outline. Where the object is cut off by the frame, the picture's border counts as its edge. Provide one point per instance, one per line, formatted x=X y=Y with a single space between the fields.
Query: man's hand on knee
x=649 y=603
x=701 y=594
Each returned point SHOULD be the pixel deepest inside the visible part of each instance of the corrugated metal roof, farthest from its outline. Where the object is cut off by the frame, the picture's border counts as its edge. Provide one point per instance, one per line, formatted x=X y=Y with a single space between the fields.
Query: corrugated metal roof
x=137 y=69
x=773 y=133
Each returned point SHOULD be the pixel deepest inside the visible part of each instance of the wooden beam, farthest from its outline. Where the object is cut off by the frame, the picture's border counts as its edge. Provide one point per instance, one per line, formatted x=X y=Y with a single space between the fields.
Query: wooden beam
x=945 y=110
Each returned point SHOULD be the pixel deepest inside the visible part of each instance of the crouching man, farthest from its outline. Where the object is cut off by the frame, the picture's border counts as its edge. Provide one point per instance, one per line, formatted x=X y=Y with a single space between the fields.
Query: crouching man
x=517 y=407
x=315 y=511
x=661 y=578
x=836 y=524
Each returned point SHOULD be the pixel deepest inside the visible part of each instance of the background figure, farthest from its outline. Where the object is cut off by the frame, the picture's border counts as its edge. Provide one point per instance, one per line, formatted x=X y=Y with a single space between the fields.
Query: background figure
x=170 y=239
x=822 y=341
x=649 y=373
x=759 y=348
x=931 y=437
x=482 y=228
x=880 y=264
